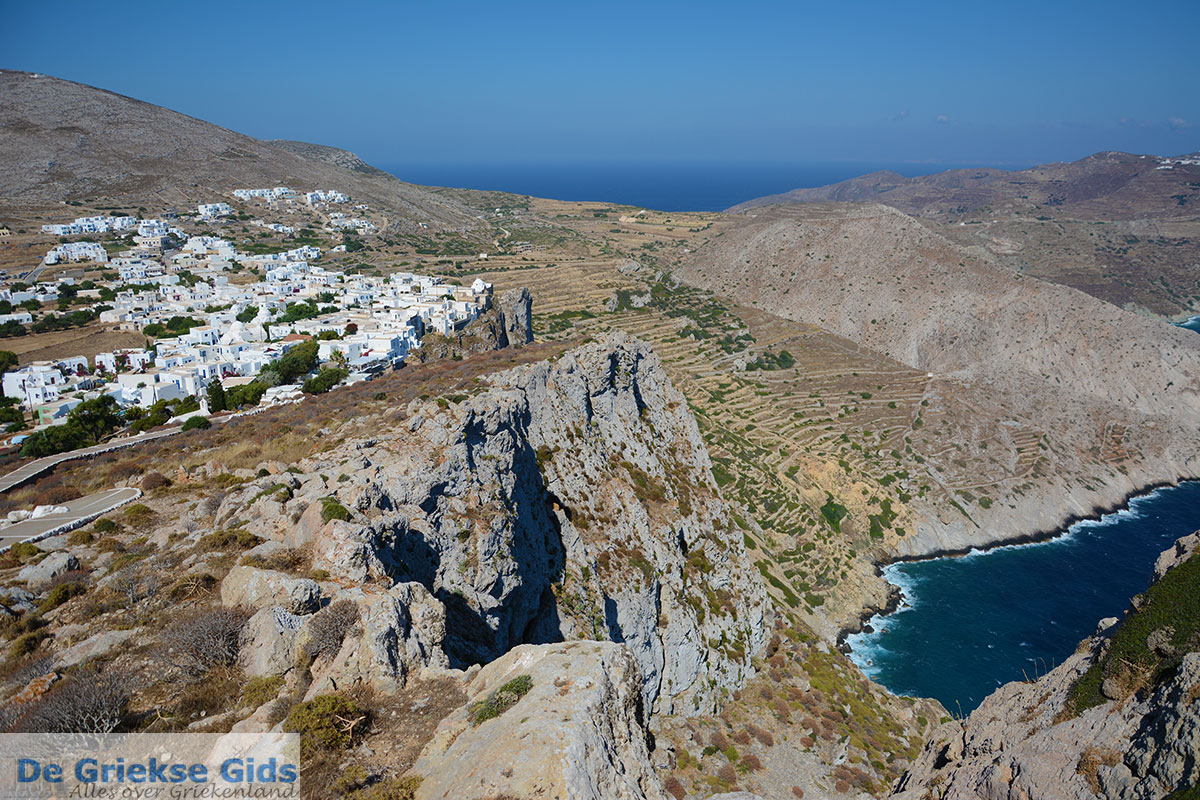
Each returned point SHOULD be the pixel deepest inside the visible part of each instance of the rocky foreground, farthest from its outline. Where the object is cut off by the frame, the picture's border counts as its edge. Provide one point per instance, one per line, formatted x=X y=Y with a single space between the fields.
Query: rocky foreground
x=556 y=523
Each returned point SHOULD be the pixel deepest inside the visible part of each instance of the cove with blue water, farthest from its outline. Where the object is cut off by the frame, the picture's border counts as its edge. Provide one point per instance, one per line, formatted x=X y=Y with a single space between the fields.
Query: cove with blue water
x=969 y=624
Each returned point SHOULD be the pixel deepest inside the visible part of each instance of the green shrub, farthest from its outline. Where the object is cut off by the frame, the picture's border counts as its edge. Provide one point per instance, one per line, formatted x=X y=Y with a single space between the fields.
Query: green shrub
x=80 y=537
x=500 y=700
x=61 y=594
x=139 y=513
x=110 y=545
x=26 y=643
x=259 y=690
x=1170 y=612
x=327 y=722
x=24 y=552
x=230 y=539
x=324 y=380
x=196 y=424
x=332 y=509
x=105 y=526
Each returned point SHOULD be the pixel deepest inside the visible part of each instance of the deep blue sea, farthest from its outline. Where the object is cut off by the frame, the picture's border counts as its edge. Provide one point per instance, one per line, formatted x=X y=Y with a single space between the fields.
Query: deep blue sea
x=972 y=623
x=665 y=187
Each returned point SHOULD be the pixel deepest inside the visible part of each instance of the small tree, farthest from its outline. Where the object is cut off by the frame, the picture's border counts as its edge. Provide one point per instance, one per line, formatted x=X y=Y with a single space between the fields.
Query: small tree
x=217 y=401
x=8 y=360
x=92 y=702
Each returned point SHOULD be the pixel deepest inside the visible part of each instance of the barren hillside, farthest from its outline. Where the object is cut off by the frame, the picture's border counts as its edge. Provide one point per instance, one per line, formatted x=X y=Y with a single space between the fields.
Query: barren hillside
x=1102 y=186
x=1113 y=396
x=67 y=141
x=1124 y=228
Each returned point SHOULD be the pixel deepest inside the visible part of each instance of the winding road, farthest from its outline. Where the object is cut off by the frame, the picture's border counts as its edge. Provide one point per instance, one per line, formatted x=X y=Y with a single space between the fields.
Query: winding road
x=82 y=509
x=34 y=468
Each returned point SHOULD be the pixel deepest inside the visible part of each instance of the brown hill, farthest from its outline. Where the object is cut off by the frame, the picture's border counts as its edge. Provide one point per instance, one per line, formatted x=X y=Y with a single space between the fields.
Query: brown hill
x=67 y=141
x=1123 y=228
x=1102 y=186
x=1115 y=397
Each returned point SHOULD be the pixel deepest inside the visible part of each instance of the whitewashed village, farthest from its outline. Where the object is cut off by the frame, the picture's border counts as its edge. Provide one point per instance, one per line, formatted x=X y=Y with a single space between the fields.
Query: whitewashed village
x=202 y=327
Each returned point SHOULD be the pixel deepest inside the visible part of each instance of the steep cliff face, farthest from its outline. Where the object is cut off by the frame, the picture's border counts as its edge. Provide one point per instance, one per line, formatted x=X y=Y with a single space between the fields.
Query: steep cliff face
x=1118 y=719
x=508 y=323
x=567 y=500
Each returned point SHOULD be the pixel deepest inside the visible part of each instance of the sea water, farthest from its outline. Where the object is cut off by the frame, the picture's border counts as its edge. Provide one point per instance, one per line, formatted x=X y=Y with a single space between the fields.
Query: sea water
x=710 y=186
x=972 y=623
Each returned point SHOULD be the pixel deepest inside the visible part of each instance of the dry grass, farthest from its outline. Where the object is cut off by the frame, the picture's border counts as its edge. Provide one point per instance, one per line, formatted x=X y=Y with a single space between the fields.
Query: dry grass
x=1090 y=762
x=85 y=341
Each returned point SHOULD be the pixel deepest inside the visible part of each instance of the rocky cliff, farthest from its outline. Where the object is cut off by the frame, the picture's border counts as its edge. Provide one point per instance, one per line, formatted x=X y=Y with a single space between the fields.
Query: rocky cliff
x=567 y=500
x=1118 y=719
x=508 y=323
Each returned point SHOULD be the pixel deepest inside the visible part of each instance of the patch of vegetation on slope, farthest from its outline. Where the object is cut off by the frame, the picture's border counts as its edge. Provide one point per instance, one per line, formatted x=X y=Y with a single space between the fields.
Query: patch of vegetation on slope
x=1163 y=626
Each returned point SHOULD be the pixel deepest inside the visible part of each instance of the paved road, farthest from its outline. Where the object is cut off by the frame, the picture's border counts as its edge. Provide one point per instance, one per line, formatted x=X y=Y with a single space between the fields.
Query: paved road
x=84 y=507
x=35 y=468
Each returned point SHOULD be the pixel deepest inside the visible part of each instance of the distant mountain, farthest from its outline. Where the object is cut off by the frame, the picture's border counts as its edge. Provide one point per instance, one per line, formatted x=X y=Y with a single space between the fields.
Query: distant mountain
x=1102 y=186
x=1124 y=228
x=67 y=141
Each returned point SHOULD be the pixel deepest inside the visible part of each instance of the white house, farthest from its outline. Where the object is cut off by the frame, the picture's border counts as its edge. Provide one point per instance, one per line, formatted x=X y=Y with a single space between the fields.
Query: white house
x=214 y=210
x=135 y=360
x=23 y=317
x=77 y=251
x=34 y=384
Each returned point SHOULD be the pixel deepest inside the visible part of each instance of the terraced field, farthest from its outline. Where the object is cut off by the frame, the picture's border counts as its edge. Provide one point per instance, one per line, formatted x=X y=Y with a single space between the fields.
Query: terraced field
x=837 y=452
x=803 y=445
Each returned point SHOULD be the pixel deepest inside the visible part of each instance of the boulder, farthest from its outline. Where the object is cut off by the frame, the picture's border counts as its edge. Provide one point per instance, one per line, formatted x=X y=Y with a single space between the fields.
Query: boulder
x=400 y=631
x=259 y=588
x=99 y=645
x=578 y=732
x=49 y=568
x=15 y=601
x=303 y=531
x=346 y=551
x=268 y=642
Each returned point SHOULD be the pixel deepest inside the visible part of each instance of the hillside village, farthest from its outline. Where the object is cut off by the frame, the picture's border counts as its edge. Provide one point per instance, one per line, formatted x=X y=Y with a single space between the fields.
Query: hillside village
x=201 y=326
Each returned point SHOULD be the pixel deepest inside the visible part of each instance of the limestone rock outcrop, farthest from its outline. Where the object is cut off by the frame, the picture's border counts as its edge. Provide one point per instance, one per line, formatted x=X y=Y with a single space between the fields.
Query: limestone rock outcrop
x=39 y=574
x=268 y=642
x=399 y=631
x=567 y=500
x=508 y=323
x=578 y=732
x=258 y=588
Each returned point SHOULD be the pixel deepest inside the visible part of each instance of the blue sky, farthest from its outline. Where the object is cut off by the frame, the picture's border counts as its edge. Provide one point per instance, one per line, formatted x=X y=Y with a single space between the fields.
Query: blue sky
x=962 y=82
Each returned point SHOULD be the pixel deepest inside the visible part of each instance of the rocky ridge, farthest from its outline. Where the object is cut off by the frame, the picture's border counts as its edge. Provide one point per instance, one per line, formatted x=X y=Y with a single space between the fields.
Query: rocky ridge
x=565 y=501
x=67 y=141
